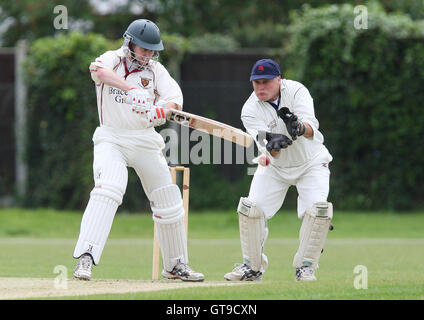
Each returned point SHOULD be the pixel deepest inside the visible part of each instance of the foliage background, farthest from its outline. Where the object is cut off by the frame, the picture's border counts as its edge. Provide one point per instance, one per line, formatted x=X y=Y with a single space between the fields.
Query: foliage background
x=367 y=87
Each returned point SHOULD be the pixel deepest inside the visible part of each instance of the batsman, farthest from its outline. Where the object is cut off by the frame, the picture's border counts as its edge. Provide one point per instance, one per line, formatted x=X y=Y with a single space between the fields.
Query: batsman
x=280 y=116
x=126 y=137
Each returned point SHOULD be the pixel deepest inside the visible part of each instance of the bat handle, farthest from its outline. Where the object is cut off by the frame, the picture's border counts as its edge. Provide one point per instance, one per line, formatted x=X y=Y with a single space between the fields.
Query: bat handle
x=168 y=112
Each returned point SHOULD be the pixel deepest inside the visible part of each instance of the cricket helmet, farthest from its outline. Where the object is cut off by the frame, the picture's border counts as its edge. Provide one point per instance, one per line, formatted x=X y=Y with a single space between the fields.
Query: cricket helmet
x=145 y=34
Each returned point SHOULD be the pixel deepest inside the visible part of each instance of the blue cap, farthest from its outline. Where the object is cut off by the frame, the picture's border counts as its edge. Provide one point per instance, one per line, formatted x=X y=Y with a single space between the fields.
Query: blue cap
x=265 y=69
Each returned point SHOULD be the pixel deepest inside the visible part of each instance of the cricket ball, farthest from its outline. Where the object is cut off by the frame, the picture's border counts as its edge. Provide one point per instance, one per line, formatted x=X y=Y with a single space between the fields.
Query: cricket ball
x=263 y=161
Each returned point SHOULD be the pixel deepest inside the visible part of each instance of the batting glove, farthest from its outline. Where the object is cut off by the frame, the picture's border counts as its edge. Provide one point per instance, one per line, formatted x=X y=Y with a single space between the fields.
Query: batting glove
x=156 y=116
x=139 y=100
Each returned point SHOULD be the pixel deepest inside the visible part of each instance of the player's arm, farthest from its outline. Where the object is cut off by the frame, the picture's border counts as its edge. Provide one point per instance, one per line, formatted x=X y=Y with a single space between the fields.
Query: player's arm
x=109 y=77
x=309 y=132
x=102 y=71
x=173 y=105
x=301 y=121
x=137 y=97
x=304 y=106
x=170 y=94
x=258 y=129
x=294 y=125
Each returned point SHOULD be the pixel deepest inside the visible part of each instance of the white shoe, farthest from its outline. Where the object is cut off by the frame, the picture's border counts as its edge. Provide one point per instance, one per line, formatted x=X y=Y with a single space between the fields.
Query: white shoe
x=243 y=272
x=183 y=272
x=83 y=268
x=305 y=273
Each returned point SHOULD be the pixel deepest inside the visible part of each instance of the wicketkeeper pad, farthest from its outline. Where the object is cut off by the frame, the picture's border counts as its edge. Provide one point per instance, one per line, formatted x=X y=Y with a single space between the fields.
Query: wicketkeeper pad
x=168 y=213
x=253 y=234
x=313 y=232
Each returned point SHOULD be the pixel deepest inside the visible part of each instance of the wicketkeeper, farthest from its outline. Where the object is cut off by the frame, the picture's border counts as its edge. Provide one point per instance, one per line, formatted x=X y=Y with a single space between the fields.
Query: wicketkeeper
x=126 y=137
x=279 y=114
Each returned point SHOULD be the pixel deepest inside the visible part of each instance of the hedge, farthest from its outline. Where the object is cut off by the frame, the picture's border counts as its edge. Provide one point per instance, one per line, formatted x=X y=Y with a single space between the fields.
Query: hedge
x=367 y=85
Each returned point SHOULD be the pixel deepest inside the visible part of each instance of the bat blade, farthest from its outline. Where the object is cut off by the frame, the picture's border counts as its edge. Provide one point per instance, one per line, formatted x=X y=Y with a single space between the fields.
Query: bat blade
x=212 y=127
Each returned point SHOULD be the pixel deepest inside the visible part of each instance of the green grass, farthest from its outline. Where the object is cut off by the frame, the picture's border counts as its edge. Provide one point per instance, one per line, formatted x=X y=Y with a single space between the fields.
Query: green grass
x=47 y=223
x=33 y=242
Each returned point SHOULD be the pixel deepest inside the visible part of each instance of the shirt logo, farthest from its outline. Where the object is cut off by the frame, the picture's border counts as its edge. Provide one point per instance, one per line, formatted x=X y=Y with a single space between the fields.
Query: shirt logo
x=145 y=82
x=272 y=124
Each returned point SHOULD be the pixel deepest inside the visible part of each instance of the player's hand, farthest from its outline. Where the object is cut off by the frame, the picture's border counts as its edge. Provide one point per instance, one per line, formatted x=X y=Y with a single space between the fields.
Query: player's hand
x=139 y=100
x=156 y=116
x=294 y=126
x=277 y=141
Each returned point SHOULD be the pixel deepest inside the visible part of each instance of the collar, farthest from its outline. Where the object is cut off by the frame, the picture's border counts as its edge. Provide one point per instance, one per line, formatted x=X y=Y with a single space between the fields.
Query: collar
x=127 y=72
x=275 y=106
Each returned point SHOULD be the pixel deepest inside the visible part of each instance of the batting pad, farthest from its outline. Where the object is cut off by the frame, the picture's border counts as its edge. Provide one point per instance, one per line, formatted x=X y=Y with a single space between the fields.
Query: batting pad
x=168 y=214
x=167 y=204
x=313 y=233
x=253 y=234
x=105 y=198
x=173 y=243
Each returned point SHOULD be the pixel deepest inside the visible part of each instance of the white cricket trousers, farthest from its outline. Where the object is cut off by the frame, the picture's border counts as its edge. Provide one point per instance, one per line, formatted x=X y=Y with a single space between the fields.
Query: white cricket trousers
x=270 y=184
x=114 y=151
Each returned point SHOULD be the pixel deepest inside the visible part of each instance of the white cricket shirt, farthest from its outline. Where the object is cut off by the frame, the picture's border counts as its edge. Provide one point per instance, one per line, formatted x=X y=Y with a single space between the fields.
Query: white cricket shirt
x=258 y=115
x=153 y=78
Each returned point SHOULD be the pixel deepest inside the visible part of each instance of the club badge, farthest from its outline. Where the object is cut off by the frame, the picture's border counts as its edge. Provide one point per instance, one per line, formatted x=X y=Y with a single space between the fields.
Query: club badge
x=145 y=82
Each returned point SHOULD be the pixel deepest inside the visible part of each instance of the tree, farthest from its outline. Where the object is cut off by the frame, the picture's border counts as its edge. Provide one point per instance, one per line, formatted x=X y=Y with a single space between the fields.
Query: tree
x=28 y=19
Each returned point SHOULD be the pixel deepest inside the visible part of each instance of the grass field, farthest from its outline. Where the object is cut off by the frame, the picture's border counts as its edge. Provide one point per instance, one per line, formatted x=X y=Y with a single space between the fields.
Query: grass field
x=390 y=246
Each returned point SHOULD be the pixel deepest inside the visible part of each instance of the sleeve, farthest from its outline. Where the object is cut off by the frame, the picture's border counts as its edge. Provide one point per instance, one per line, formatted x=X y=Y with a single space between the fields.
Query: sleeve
x=253 y=124
x=107 y=60
x=167 y=87
x=303 y=107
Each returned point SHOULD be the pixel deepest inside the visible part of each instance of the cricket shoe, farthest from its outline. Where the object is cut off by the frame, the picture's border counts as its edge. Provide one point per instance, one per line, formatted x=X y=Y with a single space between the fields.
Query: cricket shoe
x=305 y=273
x=243 y=272
x=83 y=269
x=183 y=272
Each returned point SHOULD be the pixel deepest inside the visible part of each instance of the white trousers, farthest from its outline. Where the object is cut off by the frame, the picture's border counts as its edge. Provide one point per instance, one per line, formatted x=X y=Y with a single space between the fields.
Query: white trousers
x=114 y=151
x=138 y=149
x=270 y=184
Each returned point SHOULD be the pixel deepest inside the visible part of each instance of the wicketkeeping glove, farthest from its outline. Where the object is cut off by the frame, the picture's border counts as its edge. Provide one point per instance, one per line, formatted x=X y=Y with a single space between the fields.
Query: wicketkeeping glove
x=275 y=141
x=294 y=126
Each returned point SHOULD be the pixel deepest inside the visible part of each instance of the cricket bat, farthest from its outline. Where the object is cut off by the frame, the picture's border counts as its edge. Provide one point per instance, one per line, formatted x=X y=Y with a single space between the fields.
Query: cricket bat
x=212 y=127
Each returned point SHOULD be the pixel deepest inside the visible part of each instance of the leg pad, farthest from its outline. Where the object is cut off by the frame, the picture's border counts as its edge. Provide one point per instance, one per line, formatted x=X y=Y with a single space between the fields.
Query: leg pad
x=313 y=233
x=253 y=234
